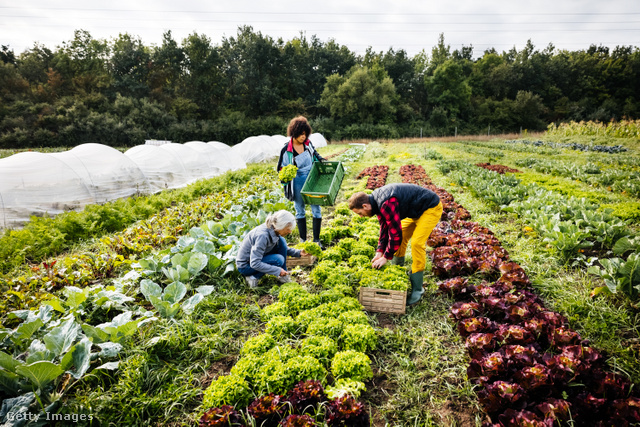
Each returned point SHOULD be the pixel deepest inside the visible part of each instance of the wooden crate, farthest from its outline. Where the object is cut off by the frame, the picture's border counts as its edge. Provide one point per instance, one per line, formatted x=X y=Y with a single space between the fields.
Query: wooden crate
x=383 y=300
x=302 y=261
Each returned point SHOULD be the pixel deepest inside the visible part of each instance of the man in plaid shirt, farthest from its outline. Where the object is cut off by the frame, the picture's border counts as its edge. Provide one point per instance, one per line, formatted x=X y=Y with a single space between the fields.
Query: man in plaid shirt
x=405 y=211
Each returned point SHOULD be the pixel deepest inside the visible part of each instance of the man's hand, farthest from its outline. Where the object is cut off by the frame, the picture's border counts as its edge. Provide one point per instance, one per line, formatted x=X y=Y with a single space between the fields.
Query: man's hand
x=379 y=262
x=303 y=253
x=283 y=272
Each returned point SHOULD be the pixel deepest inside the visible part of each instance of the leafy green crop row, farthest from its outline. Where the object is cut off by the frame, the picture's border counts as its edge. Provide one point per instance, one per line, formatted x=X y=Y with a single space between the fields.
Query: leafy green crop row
x=59 y=336
x=573 y=227
x=626 y=182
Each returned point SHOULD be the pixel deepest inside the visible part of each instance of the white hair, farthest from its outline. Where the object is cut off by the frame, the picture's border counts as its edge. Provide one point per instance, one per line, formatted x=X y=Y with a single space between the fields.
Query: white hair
x=281 y=220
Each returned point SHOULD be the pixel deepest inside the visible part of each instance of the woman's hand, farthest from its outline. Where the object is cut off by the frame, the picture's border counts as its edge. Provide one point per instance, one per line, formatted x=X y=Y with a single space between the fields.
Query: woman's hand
x=283 y=272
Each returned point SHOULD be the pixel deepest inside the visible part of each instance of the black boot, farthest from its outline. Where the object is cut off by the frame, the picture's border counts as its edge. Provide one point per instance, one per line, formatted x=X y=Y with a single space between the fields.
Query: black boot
x=302 y=228
x=317 y=224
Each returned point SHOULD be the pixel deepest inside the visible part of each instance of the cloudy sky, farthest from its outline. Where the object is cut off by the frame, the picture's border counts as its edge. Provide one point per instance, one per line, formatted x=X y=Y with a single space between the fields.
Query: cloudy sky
x=381 y=24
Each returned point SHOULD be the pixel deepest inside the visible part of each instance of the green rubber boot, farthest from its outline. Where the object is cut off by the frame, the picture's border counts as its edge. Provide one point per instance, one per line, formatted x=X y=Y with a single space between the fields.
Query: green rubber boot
x=416 y=287
x=398 y=260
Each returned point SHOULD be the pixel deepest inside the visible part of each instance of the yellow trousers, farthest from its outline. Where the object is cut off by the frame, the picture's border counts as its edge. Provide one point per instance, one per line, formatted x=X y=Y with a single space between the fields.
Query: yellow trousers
x=419 y=230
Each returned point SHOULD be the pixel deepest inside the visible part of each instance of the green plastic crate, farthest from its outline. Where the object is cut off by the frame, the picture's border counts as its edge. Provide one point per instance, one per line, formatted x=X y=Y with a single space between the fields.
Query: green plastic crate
x=323 y=183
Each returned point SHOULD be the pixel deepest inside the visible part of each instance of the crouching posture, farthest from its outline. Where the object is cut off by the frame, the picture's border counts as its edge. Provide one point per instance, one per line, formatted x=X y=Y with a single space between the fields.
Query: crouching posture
x=405 y=211
x=264 y=249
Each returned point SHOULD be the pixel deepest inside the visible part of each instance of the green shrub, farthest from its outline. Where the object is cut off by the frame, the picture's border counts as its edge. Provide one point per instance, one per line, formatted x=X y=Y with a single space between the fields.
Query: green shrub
x=258 y=345
x=359 y=261
x=227 y=390
x=351 y=364
x=327 y=327
x=354 y=317
x=335 y=254
x=281 y=327
x=306 y=367
x=321 y=347
x=359 y=338
x=276 y=309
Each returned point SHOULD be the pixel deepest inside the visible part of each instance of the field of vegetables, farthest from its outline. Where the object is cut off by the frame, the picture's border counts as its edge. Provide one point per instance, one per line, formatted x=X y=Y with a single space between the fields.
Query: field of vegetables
x=531 y=312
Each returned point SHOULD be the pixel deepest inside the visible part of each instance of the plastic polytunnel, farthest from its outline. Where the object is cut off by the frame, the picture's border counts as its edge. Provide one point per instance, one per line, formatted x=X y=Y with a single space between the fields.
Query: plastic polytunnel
x=219 y=159
x=35 y=184
x=281 y=139
x=257 y=149
x=317 y=139
x=107 y=173
x=162 y=168
x=235 y=161
x=196 y=165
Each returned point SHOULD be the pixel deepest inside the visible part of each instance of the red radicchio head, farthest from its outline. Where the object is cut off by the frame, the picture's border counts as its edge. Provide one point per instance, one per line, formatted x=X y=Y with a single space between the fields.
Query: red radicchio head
x=268 y=407
x=609 y=385
x=513 y=334
x=298 y=421
x=346 y=411
x=491 y=366
x=520 y=356
x=462 y=310
x=225 y=415
x=457 y=287
x=625 y=410
x=513 y=418
x=306 y=395
x=478 y=344
x=532 y=377
x=499 y=396
x=555 y=409
x=474 y=324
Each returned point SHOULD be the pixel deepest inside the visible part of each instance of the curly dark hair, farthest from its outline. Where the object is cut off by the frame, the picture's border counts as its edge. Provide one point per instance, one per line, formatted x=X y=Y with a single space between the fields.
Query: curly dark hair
x=298 y=126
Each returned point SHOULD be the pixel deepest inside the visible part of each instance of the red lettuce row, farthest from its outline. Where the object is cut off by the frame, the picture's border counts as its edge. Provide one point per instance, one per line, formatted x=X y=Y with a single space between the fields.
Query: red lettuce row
x=415 y=174
x=377 y=176
x=532 y=369
x=501 y=169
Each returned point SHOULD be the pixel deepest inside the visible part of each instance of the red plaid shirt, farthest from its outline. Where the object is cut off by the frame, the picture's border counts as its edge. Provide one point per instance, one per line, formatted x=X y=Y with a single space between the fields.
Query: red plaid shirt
x=390 y=228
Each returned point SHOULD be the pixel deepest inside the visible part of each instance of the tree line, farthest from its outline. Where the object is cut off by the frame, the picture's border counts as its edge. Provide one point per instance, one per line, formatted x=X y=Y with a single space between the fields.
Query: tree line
x=121 y=92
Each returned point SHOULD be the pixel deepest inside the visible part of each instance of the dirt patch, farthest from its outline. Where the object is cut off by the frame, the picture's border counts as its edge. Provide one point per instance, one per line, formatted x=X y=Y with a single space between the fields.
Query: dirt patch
x=379 y=390
x=386 y=321
x=266 y=300
x=457 y=414
x=219 y=367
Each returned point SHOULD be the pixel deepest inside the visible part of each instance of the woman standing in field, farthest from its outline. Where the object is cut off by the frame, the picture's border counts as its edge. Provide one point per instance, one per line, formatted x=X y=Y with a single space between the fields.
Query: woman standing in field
x=299 y=151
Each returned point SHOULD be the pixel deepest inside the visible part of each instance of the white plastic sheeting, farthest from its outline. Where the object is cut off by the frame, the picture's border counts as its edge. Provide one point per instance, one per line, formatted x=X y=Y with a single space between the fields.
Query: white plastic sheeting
x=235 y=161
x=39 y=184
x=35 y=183
x=220 y=159
x=160 y=167
x=107 y=173
x=220 y=145
x=317 y=140
x=257 y=149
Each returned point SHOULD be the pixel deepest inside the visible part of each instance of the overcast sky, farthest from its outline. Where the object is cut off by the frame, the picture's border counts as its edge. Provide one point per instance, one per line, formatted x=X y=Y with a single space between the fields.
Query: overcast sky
x=381 y=24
